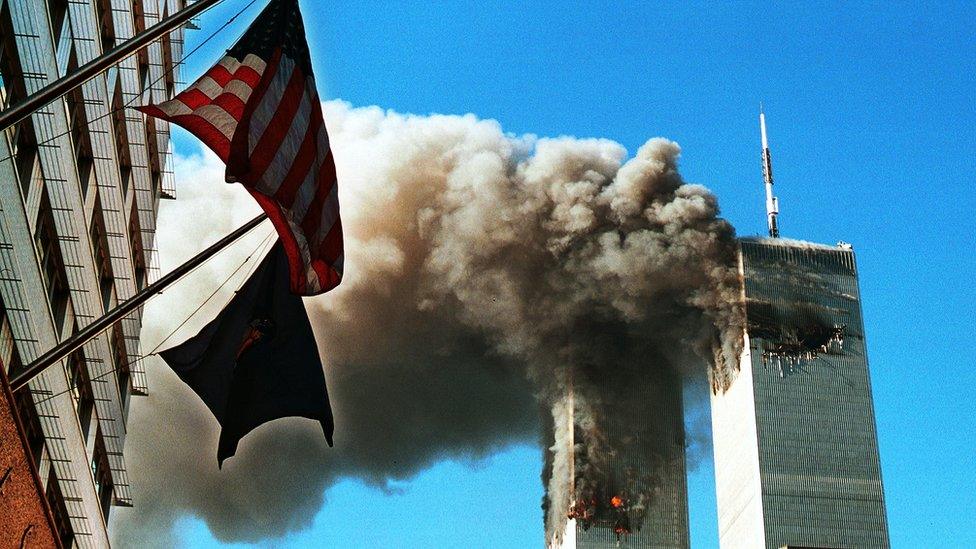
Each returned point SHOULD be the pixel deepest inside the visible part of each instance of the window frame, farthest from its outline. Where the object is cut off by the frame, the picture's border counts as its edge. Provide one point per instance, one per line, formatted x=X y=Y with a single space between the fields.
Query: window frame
x=102 y=475
x=79 y=386
x=102 y=257
x=57 y=11
x=74 y=102
x=59 y=510
x=51 y=263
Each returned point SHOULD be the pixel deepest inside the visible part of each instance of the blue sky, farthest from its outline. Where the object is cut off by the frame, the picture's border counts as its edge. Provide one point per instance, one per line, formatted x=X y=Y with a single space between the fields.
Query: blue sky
x=871 y=119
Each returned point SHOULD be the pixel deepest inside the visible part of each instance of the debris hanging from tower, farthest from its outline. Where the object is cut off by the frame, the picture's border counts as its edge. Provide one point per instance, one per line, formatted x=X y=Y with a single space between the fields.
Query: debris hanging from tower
x=799 y=326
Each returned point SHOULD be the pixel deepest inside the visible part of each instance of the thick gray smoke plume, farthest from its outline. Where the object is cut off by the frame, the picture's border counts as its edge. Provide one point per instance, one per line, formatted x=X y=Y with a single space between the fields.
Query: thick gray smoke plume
x=483 y=272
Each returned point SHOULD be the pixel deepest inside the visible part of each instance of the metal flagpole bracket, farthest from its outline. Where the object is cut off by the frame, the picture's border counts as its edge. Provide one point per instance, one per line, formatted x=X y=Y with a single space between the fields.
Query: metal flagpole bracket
x=25 y=108
x=73 y=343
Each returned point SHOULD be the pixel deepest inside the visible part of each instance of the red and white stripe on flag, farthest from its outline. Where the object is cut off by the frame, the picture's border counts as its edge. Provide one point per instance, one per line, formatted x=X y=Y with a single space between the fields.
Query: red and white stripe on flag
x=258 y=109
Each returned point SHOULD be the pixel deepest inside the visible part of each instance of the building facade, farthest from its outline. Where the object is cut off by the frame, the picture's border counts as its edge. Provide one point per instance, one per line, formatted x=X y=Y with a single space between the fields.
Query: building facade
x=662 y=519
x=664 y=524
x=642 y=503
x=80 y=185
x=796 y=452
x=25 y=515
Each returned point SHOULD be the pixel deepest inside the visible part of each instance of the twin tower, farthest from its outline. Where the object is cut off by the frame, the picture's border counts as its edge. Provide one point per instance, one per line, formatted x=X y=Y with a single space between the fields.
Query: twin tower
x=795 y=446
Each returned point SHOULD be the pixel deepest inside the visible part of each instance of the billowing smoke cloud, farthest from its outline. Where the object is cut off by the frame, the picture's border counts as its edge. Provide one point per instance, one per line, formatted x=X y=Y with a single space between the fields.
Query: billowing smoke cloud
x=483 y=273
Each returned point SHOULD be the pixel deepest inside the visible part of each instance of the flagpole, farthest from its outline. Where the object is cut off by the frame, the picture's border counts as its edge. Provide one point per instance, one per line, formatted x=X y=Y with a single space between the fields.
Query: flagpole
x=79 y=76
x=73 y=343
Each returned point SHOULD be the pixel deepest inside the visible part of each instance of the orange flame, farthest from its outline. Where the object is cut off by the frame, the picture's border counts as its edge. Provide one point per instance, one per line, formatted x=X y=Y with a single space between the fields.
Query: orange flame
x=616 y=501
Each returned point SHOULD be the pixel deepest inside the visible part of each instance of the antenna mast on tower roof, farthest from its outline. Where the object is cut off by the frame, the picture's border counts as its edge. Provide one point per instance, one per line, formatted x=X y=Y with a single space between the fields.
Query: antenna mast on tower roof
x=772 y=203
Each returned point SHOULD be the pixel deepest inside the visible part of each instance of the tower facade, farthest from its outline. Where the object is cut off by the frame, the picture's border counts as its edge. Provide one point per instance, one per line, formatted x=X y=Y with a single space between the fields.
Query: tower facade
x=642 y=501
x=81 y=183
x=664 y=524
x=796 y=452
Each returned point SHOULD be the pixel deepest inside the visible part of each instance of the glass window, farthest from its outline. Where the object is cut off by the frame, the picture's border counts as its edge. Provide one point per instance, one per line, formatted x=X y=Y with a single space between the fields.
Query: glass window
x=138 y=252
x=81 y=391
x=103 y=11
x=103 y=260
x=102 y=475
x=11 y=79
x=58 y=10
x=143 y=71
x=121 y=138
x=6 y=339
x=52 y=267
x=78 y=124
x=15 y=365
x=123 y=375
x=32 y=425
x=59 y=510
x=25 y=152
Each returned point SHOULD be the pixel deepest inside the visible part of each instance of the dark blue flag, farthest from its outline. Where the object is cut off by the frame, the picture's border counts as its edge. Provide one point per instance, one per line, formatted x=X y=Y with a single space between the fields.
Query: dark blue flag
x=257 y=361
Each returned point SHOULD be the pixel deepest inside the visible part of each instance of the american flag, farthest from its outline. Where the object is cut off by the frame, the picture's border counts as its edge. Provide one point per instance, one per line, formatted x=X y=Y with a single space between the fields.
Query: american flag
x=258 y=109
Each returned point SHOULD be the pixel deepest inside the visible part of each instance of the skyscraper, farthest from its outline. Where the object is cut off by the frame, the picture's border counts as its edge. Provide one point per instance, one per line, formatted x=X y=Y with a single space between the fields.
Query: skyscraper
x=663 y=523
x=796 y=453
x=81 y=184
x=643 y=501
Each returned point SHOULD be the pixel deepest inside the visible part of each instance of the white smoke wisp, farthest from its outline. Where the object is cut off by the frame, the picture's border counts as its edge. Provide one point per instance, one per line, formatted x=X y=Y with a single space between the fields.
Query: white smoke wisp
x=481 y=269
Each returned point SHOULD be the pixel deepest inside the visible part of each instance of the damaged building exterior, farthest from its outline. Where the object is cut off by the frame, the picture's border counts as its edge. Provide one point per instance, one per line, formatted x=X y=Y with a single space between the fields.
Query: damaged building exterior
x=643 y=501
x=660 y=523
x=796 y=453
